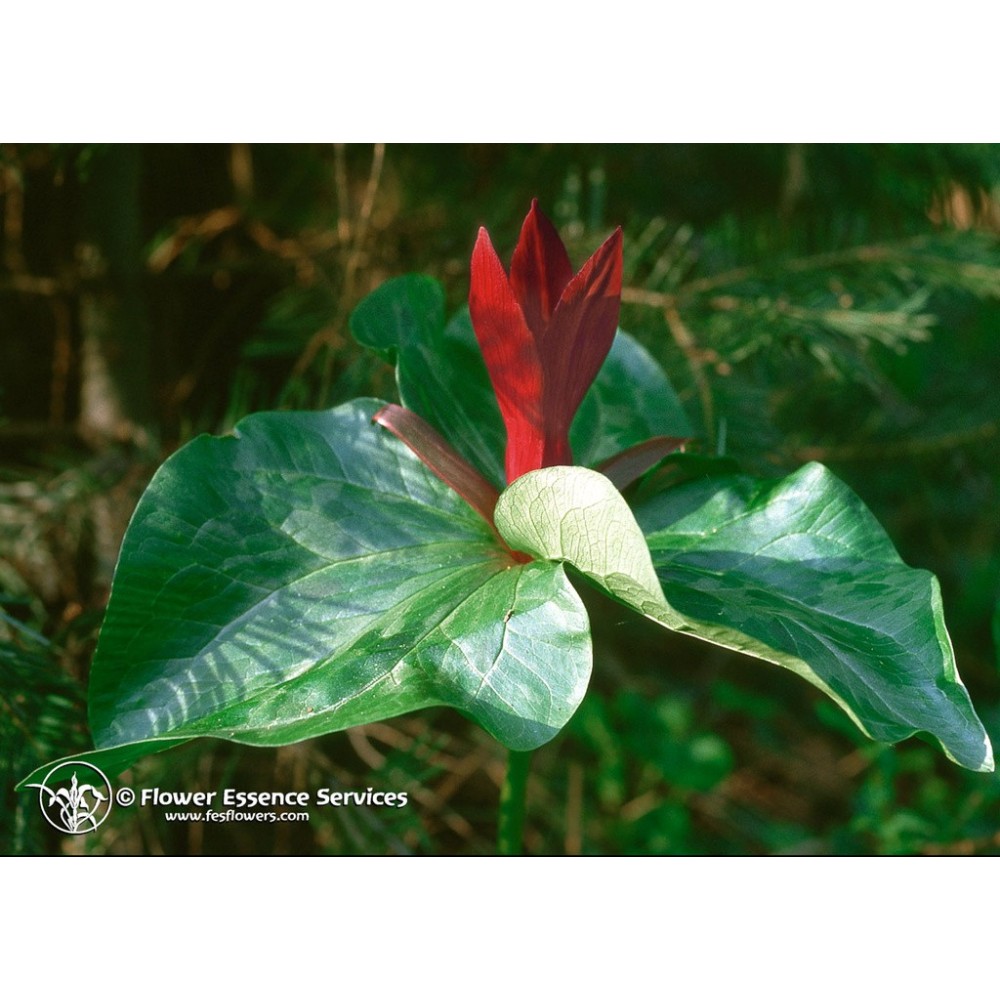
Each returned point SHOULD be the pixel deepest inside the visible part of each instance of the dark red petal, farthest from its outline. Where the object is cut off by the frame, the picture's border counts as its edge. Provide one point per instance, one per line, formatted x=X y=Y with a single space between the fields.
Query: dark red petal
x=582 y=330
x=627 y=466
x=540 y=270
x=557 y=450
x=432 y=449
x=511 y=357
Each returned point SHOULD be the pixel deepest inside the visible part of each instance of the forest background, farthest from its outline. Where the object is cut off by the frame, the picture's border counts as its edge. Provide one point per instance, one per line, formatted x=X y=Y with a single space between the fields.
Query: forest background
x=838 y=303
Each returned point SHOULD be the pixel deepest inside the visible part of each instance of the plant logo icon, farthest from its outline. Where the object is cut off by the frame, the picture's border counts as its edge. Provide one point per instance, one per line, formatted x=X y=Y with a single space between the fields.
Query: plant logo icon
x=75 y=797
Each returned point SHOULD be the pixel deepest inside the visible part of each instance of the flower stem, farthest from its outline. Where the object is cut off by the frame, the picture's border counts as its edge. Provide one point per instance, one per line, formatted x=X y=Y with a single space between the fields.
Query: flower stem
x=510 y=826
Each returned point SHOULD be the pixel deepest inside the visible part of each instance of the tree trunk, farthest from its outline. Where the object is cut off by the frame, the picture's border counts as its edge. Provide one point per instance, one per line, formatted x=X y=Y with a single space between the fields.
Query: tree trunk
x=115 y=384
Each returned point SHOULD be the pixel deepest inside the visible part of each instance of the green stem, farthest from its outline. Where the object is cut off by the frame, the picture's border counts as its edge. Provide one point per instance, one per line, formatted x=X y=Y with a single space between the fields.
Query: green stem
x=510 y=826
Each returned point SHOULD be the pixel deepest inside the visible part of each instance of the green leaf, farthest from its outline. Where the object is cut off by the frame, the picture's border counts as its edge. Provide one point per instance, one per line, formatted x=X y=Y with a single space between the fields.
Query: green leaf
x=440 y=371
x=576 y=515
x=996 y=633
x=631 y=400
x=307 y=574
x=112 y=761
x=798 y=572
x=442 y=377
x=401 y=313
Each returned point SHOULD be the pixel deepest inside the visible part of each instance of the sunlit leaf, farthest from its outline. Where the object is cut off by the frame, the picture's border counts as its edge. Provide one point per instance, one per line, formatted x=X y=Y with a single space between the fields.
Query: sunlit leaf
x=308 y=574
x=797 y=571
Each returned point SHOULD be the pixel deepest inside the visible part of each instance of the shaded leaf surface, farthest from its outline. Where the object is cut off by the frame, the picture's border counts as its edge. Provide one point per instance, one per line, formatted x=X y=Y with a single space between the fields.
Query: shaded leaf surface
x=800 y=573
x=111 y=761
x=440 y=371
x=308 y=574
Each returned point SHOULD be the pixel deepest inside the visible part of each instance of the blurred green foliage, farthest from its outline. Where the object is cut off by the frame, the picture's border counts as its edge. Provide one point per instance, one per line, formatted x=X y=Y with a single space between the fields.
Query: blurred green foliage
x=838 y=303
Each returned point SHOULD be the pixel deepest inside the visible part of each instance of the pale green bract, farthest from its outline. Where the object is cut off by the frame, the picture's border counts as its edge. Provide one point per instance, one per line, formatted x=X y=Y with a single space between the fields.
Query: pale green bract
x=576 y=515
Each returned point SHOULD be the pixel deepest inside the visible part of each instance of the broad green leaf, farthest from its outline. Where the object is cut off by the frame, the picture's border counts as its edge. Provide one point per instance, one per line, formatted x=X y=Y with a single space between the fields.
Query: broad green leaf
x=442 y=377
x=440 y=371
x=798 y=572
x=570 y=514
x=111 y=762
x=307 y=574
x=402 y=312
x=631 y=400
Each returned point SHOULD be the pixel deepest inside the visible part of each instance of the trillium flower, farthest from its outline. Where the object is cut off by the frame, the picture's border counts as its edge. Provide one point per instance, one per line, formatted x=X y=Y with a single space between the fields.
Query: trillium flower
x=544 y=333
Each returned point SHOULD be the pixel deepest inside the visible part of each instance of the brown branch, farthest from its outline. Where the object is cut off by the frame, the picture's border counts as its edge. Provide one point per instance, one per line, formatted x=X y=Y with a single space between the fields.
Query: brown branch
x=696 y=362
x=897 y=449
x=343 y=192
x=12 y=189
x=207 y=225
x=30 y=284
x=364 y=216
x=854 y=255
x=330 y=334
x=241 y=170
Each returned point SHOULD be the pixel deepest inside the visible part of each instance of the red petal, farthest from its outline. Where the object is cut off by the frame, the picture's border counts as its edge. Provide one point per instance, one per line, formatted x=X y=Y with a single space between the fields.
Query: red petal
x=582 y=329
x=540 y=270
x=511 y=357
